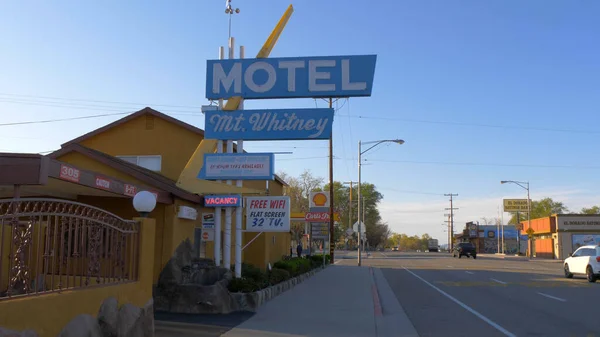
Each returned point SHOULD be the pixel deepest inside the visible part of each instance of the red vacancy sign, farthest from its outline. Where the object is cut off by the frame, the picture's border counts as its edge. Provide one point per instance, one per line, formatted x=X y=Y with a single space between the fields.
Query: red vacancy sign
x=317 y=217
x=69 y=173
x=102 y=183
x=130 y=190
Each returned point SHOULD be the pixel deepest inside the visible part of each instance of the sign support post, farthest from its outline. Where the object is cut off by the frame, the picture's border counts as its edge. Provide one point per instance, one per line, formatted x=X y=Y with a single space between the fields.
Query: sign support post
x=217 y=244
x=238 y=210
x=331 y=222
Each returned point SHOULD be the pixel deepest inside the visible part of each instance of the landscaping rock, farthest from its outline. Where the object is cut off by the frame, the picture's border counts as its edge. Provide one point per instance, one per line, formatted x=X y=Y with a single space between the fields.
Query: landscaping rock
x=13 y=333
x=127 y=321
x=108 y=317
x=82 y=326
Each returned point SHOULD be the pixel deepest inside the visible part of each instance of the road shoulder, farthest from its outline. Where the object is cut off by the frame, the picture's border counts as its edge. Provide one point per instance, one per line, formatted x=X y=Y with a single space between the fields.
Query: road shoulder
x=393 y=321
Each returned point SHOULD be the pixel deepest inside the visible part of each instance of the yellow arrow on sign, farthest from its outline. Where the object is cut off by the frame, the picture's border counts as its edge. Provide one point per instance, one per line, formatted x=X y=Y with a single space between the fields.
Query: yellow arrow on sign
x=188 y=178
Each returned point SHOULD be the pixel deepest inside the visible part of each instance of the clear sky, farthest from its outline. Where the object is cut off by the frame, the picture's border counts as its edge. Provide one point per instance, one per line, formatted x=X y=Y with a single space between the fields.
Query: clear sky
x=481 y=91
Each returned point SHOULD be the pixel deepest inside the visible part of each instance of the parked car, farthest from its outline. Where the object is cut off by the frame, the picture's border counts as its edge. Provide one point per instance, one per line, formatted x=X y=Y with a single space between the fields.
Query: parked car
x=584 y=261
x=464 y=249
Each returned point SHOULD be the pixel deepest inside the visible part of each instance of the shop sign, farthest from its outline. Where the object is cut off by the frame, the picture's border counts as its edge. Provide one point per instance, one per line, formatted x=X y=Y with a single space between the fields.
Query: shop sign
x=317 y=217
x=515 y=205
x=237 y=166
x=269 y=124
x=291 y=77
x=268 y=214
x=69 y=173
x=208 y=221
x=102 y=183
x=234 y=200
x=318 y=199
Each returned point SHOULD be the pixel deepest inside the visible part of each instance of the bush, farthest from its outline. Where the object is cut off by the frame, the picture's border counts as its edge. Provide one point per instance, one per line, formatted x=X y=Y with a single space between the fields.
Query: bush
x=278 y=275
x=295 y=266
x=256 y=274
x=317 y=260
x=243 y=285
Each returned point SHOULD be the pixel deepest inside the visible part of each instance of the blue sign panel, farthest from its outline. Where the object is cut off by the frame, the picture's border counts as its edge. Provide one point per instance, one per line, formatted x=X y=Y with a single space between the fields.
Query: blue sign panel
x=274 y=124
x=233 y=200
x=237 y=166
x=291 y=77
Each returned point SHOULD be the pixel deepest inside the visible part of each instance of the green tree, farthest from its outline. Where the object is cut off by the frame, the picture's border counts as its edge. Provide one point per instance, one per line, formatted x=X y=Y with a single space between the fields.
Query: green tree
x=540 y=209
x=299 y=190
x=591 y=210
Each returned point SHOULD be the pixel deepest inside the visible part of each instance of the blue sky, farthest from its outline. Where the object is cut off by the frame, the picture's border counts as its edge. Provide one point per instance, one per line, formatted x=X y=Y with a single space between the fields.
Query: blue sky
x=481 y=91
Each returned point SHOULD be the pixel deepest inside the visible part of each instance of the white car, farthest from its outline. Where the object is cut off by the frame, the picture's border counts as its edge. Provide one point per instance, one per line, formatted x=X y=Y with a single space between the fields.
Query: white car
x=584 y=261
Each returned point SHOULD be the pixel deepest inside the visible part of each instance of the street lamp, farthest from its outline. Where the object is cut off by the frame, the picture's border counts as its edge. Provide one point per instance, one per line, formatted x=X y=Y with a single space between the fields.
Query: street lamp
x=360 y=153
x=144 y=202
x=524 y=185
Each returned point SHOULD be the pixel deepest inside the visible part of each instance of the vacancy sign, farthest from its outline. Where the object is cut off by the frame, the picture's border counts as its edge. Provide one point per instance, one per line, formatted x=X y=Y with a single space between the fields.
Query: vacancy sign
x=267 y=214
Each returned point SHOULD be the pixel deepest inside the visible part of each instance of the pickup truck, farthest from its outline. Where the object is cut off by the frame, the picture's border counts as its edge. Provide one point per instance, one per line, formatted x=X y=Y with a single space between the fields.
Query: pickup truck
x=464 y=249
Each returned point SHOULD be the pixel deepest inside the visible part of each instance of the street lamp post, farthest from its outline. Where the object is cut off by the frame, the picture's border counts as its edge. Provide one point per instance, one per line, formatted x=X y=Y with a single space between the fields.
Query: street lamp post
x=360 y=153
x=524 y=185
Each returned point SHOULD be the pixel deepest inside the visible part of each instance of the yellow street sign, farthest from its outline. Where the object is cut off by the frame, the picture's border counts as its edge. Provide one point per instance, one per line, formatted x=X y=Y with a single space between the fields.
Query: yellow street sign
x=530 y=231
x=515 y=205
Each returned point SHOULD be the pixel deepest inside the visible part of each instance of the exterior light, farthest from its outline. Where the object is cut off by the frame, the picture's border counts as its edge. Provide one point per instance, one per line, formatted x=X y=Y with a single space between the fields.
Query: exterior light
x=144 y=202
x=398 y=141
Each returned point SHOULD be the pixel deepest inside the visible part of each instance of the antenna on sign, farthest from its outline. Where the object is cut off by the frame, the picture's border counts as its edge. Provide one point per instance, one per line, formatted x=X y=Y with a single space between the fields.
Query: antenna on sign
x=230 y=10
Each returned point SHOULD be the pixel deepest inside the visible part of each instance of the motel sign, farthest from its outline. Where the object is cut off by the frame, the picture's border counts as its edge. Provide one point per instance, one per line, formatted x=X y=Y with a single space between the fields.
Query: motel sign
x=291 y=77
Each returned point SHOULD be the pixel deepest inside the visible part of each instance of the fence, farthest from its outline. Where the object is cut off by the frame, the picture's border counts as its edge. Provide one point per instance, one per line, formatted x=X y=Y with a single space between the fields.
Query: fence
x=50 y=245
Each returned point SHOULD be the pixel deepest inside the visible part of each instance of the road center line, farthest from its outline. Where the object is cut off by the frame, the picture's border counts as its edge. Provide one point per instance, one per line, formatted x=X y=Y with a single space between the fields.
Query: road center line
x=468 y=272
x=552 y=297
x=464 y=306
x=497 y=281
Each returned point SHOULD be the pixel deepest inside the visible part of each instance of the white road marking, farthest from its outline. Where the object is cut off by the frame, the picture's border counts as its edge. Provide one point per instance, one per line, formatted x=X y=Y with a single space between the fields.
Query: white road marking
x=449 y=266
x=552 y=297
x=464 y=306
x=384 y=254
x=468 y=272
x=497 y=281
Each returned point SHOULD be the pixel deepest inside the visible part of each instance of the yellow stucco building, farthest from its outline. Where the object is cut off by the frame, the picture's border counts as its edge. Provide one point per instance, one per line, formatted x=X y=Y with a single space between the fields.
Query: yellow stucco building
x=151 y=149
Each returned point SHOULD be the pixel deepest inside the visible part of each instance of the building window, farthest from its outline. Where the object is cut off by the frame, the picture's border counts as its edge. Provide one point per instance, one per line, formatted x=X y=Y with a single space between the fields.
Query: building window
x=152 y=163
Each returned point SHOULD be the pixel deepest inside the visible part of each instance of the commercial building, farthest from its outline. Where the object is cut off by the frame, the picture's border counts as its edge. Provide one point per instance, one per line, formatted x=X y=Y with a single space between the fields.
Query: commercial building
x=558 y=235
x=487 y=238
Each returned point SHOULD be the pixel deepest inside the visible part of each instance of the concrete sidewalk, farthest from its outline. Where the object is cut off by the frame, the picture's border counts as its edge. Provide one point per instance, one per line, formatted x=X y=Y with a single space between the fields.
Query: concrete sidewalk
x=338 y=301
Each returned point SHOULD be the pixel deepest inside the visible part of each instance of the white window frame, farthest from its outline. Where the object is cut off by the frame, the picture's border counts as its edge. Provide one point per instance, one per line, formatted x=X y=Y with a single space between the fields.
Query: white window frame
x=137 y=160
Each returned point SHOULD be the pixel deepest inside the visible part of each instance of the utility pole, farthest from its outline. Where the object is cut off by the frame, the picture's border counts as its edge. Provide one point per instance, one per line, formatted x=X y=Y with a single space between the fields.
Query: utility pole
x=349 y=207
x=331 y=198
x=451 y=219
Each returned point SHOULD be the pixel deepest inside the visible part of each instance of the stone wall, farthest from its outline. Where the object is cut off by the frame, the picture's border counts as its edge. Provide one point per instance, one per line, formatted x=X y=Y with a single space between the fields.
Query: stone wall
x=111 y=321
x=252 y=301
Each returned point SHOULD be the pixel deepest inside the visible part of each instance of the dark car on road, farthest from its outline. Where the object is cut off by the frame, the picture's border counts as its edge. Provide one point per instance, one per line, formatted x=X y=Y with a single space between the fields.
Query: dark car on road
x=464 y=249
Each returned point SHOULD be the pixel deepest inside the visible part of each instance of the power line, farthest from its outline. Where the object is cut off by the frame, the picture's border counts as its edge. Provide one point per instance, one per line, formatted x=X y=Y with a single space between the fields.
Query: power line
x=99 y=101
x=64 y=119
x=487 y=164
x=62 y=102
x=516 y=127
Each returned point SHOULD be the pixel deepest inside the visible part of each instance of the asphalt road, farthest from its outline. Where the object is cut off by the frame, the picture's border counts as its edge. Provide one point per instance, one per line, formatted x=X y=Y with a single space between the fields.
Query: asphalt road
x=451 y=297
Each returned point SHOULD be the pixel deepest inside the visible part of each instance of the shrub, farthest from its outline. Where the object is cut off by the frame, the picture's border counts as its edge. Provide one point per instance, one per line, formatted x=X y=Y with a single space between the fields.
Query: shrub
x=243 y=285
x=278 y=275
x=295 y=266
x=256 y=274
x=317 y=260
